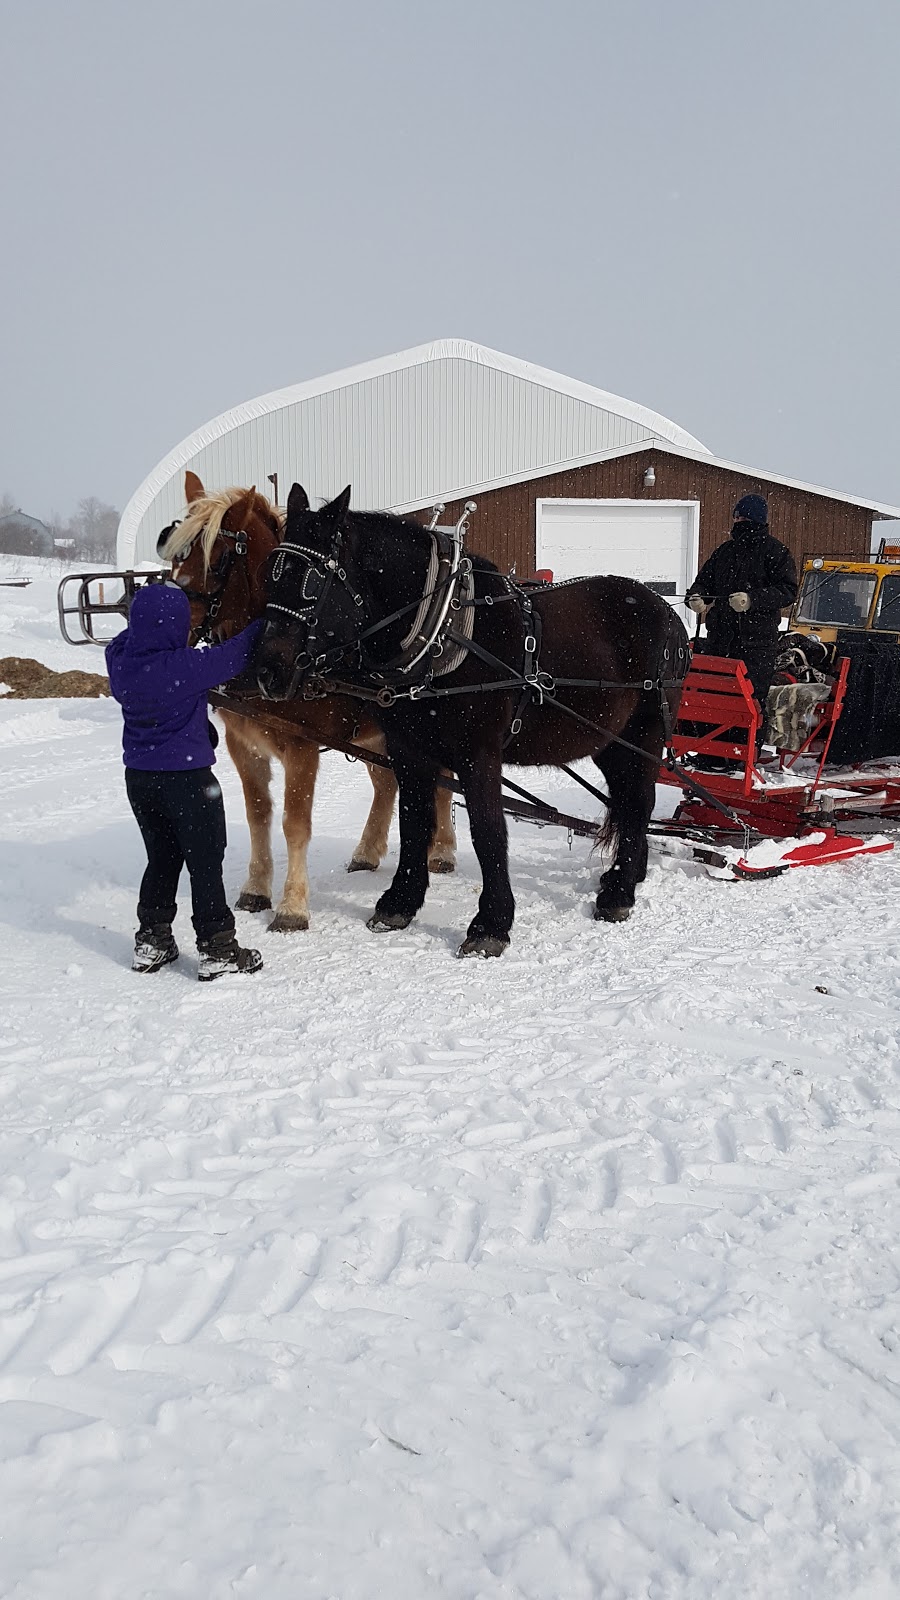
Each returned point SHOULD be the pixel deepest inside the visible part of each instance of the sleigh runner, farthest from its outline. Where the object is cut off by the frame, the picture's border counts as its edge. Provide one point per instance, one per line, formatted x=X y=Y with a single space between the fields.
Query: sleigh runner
x=792 y=800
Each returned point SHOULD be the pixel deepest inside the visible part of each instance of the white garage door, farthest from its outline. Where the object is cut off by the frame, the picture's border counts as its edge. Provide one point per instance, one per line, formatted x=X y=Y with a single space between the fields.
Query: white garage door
x=653 y=540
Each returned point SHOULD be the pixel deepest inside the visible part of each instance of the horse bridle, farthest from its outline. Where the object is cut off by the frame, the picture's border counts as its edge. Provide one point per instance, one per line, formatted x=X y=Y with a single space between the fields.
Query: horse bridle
x=211 y=599
x=446 y=568
x=329 y=569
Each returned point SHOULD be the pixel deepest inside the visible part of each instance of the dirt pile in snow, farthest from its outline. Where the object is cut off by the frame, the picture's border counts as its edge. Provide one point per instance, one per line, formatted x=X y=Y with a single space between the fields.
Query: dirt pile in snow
x=24 y=679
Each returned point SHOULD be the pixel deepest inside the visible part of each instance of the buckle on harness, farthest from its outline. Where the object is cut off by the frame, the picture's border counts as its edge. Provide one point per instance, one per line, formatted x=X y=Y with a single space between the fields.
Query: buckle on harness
x=515 y=727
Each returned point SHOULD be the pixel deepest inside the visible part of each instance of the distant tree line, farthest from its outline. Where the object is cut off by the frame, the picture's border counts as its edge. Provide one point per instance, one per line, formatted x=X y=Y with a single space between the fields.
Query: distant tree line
x=88 y=535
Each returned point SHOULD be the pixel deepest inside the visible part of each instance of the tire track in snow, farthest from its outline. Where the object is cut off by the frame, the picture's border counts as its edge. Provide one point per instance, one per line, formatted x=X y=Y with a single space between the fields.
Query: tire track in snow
x=566 y=1230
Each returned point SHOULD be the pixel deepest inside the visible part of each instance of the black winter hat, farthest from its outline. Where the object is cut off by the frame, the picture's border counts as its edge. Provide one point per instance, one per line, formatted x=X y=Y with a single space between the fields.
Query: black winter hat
x=751 y=508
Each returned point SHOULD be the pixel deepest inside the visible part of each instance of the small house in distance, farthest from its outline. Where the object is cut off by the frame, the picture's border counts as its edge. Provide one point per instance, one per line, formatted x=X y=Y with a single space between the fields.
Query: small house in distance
x=22 y=535
x=566 y=476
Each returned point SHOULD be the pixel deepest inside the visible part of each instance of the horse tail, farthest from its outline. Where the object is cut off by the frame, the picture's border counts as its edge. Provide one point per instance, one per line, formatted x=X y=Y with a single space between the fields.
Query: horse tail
x=607 y=835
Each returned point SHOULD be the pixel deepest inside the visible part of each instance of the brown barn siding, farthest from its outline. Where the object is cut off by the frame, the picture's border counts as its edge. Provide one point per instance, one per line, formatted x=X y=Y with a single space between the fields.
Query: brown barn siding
x=503 y=527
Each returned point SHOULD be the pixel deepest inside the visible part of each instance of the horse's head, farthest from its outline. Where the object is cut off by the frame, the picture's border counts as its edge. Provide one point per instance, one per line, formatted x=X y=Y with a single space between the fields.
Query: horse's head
x=218 y=555
x=315 y=610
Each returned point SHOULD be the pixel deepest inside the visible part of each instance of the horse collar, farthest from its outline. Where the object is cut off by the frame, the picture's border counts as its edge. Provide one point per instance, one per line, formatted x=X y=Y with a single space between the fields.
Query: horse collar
x=449 y=588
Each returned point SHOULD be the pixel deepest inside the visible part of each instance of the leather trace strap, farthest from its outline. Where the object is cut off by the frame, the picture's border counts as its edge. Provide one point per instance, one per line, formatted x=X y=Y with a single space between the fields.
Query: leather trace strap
x=533 y=688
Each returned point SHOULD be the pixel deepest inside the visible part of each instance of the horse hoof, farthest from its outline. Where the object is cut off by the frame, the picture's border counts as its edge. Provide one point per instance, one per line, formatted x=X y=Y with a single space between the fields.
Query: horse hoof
x=285 y=923
x=359 y=865
x=388 y=921
x=439 y=865
x=253 y=902
x=612 y=913
x=482 y=944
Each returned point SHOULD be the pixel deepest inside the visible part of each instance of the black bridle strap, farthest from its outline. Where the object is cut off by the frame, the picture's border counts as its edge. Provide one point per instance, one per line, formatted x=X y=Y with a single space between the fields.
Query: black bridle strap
x=211 y=599
x=221 y=571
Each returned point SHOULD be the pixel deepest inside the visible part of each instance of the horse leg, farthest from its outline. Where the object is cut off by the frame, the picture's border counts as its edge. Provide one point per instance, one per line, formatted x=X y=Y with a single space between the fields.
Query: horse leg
x=301 y=764
x=399 y=904
x=442 y=854
x=488 y=932
x=255 y=772
x=631 y=780
x=372 y=847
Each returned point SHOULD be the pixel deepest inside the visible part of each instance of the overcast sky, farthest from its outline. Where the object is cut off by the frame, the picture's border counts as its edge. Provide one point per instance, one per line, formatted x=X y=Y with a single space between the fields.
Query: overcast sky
x=692 y=203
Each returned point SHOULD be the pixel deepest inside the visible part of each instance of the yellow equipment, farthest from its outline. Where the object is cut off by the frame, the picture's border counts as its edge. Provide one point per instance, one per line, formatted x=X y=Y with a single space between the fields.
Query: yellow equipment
x=860 y=595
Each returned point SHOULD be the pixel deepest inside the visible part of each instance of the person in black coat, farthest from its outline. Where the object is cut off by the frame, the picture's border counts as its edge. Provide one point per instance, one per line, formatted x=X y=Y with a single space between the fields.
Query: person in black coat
x=741 y=591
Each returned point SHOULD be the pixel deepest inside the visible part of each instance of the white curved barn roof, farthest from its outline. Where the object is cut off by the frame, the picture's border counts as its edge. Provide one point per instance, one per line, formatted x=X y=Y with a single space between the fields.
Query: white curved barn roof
x=432 y=423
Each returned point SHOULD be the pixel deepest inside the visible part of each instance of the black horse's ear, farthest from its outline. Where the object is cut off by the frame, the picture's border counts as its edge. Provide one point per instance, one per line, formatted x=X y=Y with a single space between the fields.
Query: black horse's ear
x=336 y=509
x=298 y=501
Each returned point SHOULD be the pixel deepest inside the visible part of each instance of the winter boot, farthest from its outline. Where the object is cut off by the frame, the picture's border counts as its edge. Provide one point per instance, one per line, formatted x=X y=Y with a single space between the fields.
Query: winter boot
x=222 y=954
x=154 y=947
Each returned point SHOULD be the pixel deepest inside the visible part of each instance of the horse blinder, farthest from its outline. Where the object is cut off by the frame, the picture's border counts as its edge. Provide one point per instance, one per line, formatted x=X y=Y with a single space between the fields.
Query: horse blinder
x=319 y=575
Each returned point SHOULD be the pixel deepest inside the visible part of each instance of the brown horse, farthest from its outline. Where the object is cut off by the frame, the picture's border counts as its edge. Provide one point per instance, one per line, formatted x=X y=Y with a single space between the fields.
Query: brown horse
x=218 y=553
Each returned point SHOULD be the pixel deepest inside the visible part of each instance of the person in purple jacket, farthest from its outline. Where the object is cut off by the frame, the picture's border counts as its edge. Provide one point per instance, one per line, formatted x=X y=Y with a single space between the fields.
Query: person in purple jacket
x=167 y=744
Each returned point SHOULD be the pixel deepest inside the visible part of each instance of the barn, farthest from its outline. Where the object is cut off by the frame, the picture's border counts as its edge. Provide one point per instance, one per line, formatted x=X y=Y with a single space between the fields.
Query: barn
x=565 y=476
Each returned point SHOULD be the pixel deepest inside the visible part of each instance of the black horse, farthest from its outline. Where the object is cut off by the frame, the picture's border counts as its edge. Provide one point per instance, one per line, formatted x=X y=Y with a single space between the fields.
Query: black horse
x=591 y=667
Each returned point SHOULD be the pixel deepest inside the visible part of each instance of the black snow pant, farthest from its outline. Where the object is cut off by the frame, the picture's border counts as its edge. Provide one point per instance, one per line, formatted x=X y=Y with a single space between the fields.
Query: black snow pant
x=181 y=816
x=759 y=659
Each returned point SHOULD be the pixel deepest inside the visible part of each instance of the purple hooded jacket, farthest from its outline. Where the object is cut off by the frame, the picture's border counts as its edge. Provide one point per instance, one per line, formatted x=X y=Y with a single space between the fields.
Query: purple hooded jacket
x=161 y=683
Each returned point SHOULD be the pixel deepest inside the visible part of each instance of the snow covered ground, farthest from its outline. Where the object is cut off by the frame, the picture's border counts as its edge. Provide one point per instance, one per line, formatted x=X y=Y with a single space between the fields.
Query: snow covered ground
x=563 y=1276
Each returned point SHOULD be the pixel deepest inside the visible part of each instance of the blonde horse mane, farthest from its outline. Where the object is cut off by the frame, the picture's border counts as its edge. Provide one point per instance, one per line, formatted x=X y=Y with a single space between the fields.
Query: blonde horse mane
x=204 y=521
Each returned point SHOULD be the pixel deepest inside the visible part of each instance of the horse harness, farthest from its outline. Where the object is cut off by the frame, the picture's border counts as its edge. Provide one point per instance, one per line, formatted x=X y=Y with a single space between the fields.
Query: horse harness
x=445 y=615
x=448 y=595
x=448 y=591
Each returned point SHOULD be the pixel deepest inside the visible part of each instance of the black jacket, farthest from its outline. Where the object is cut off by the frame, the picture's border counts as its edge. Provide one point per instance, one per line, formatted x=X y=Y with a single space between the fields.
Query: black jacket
x=760 y=565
